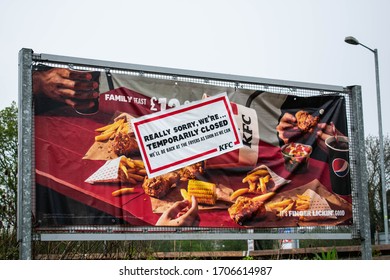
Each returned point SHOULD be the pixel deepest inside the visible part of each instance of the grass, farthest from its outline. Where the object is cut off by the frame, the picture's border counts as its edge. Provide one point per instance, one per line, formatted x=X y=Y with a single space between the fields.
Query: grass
x=326 y=255
x=9 y=248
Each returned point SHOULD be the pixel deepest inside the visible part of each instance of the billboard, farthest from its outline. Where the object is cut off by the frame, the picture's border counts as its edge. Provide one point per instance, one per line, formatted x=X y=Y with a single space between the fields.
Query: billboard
x=145 y=150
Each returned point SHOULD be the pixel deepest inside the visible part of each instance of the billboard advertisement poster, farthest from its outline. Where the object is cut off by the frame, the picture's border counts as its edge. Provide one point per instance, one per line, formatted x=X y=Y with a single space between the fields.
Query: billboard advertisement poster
x=145 y=151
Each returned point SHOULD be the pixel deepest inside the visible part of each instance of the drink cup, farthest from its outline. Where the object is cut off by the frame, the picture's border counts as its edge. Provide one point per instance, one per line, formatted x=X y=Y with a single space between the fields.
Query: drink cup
x=87 y=91
x=338 y=149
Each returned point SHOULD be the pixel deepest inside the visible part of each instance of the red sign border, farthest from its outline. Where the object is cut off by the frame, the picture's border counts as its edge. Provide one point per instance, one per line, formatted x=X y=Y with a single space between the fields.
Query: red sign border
x=179 y=111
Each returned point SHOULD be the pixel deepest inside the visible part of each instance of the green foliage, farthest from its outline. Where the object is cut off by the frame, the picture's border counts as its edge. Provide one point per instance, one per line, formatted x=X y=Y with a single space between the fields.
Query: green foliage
x=8 y=165
x=326 y=255
x=312 y=243
x=198 y=245
x=374 y=179
x=9 y=249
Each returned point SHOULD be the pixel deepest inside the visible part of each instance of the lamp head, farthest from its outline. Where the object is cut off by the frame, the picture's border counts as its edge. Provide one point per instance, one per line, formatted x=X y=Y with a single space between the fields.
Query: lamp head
x=351 y=40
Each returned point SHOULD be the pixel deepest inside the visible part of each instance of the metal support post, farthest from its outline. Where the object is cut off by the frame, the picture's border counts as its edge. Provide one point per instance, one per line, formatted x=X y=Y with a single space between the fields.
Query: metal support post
x=25 y=154
x=357 y=138
x=381 y=149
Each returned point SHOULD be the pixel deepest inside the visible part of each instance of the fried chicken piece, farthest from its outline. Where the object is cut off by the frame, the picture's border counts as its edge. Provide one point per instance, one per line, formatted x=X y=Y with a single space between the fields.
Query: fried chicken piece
x=306 y=122
x=191 y=171
x=159 y=186
x=125 y=144
x=245 y=209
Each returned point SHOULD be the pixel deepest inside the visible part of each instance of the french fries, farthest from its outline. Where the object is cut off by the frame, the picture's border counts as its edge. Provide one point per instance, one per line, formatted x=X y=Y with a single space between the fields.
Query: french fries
x=122 y=191
x=111 y=130
x=263 y=183
x=131 y=170
x=258 y=181
x=286 y=209
x=255 y=175
x=263 y=197
x=302 y=202
x=238 y=193
x=185 y=194
x=280 y=207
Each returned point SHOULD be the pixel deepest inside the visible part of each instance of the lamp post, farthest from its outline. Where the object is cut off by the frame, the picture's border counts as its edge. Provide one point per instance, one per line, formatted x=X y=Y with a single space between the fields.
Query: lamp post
x=353 y=41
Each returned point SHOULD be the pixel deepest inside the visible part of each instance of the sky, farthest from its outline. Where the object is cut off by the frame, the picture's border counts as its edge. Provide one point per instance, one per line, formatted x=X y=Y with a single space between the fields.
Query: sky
x=301 y=40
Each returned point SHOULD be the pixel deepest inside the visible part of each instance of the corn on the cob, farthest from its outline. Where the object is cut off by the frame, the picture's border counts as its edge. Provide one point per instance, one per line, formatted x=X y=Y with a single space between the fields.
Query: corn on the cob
x=204 y=192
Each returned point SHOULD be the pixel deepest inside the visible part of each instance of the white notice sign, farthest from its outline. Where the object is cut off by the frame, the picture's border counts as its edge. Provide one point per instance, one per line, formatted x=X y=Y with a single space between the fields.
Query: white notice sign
x=187 y=134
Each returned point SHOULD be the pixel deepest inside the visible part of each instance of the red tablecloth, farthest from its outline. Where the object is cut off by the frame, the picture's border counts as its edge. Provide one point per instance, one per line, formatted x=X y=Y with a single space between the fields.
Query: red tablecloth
x=62 y=137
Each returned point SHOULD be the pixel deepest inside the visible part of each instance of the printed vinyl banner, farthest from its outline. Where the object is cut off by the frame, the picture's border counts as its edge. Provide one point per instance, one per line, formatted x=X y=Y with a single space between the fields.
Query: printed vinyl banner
x=120 y=149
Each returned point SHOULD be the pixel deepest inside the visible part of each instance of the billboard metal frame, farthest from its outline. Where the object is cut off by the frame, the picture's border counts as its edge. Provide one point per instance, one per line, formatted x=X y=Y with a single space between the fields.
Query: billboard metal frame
x=26 y=234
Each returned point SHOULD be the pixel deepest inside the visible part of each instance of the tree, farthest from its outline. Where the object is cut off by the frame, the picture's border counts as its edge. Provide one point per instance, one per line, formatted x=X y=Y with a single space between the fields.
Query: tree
x=374 y=179
x=8 y=165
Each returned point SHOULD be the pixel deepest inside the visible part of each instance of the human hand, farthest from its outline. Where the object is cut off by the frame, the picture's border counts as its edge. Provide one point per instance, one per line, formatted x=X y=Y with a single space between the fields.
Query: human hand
x=287 y=128
x=74 y=88
x=178 y=215
x=325 y=131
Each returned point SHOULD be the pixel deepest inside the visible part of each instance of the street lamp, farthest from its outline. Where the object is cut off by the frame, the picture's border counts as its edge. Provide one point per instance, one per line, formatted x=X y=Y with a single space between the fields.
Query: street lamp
x=353 y=41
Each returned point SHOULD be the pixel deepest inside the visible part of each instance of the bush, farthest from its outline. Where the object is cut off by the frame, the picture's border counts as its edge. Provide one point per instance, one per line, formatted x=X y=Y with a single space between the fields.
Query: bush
x=9 y=249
